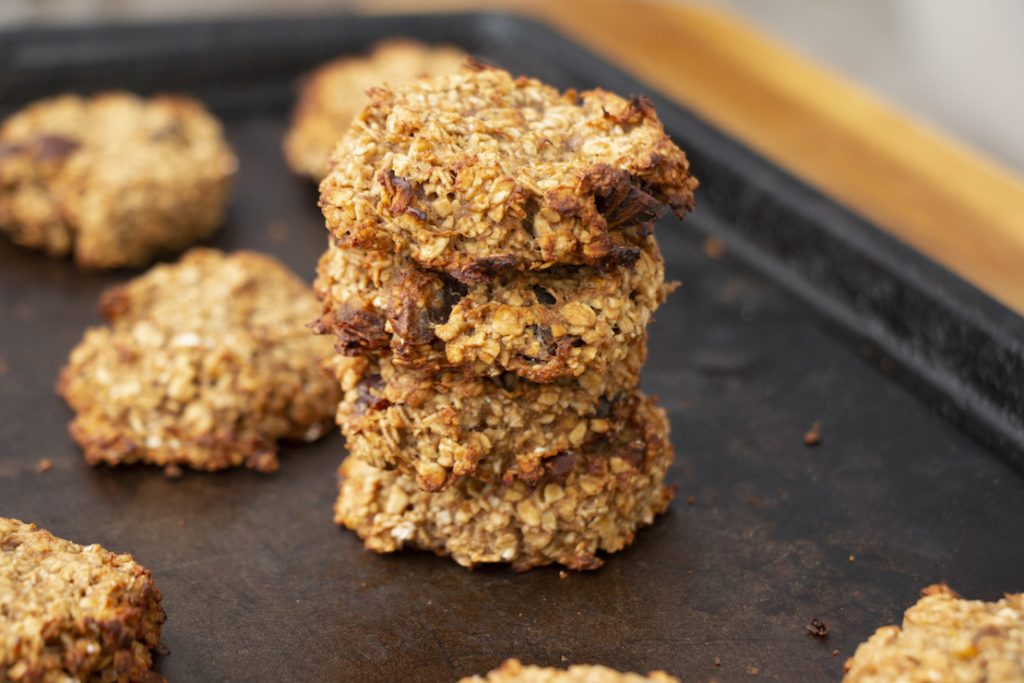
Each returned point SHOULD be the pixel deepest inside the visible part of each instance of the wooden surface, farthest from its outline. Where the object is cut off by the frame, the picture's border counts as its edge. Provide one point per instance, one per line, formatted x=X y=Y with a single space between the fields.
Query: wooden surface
x=944 y=199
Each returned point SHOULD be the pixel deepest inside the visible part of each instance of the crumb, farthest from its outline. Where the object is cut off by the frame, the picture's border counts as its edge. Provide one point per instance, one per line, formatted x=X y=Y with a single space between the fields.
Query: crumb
x=713 y=248
x=812 y=437
x=817 y=628
x=835 y=653
x=563 y=574
x=691 y=500
x=852 y=557
x=173 y=471
x=753 y=670
x=564 y=658
x=718 y=661
x=278 y=232
x=44 y=465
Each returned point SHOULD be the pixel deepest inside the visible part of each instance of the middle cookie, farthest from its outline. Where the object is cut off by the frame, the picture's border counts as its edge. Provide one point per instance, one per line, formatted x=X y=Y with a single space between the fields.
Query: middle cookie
x=444 y=425
x=542 y=326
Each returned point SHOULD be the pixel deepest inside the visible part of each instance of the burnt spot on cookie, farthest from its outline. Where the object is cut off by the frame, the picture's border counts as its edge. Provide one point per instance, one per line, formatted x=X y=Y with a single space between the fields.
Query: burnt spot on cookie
x=619 y=198
x=367 y=395
x=419 y=301
x=484 y=269
x=396 y=193
x=357 y=330
x=637 y=109
x=544 y=296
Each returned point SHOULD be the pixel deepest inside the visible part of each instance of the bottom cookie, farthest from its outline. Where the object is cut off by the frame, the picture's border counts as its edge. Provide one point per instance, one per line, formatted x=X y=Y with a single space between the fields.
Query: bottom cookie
x=69 y=612
x=589 y=501
x=512 y=671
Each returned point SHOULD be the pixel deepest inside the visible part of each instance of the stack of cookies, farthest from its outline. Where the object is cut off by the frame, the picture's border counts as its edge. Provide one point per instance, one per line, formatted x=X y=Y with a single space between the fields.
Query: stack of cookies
x=489 y=282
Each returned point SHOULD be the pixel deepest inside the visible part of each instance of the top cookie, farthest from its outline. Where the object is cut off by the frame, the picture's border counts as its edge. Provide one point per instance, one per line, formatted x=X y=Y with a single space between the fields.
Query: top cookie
x=478 y=172
x=335 y=92
x=113 y=179
x=946 y=638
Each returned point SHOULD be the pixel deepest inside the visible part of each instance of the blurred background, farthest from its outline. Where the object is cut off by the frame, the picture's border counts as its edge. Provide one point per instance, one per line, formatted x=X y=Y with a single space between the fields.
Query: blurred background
x=957 y=65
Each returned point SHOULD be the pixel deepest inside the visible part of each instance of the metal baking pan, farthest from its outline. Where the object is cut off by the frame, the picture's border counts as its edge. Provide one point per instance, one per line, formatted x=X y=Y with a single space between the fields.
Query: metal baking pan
x=811 y=315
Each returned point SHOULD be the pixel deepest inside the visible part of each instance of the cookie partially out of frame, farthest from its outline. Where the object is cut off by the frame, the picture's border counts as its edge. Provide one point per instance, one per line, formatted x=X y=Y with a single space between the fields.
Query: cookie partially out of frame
x=590 y=501
x=513 y=671
x=542 y=326
x=335 y=92
x=69 y=612
x=946 y=638
x=113 y=179
x=445 y=425
x=477 y=173
x=206 y=363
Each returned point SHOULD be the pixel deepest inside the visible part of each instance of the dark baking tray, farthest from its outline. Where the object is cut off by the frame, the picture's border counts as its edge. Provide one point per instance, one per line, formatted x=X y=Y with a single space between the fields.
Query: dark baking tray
x=811 y=315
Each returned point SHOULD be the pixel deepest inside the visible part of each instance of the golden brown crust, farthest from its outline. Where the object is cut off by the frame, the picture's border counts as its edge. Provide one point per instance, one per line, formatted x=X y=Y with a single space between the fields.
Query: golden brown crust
x=206 y=363
x=946 y=638
x=478 y=173
x=335 y=92
x=69 y=612
x=441 y=426
x=113 y=179
x=512 y=671
x=542 y=326
x=589 y=501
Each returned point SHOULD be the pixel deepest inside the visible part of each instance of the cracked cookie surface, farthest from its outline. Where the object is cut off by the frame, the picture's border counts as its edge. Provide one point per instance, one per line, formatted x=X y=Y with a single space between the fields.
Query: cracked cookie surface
x=477 y=173
x=445 y=425
x=206 y=363
x=72 y=612
x=513 y=671
x=542 y=326
x=946 y=638
x=113 y=179
x=589 y=501
x=335 y=92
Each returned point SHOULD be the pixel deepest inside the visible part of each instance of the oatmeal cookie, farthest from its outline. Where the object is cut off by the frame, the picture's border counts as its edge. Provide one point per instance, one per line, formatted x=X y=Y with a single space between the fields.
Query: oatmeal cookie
x=206 y=363
x=69 y=612
x=446 y=425
x=542 y=326
x=477 y=173
x=335 y=92
x=946 y=638
x=590 y=500
x=113 y=179
x=512 y=671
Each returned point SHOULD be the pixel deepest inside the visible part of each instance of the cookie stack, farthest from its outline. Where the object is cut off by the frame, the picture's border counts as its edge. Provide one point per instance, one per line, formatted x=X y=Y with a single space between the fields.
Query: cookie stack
x=489 y=282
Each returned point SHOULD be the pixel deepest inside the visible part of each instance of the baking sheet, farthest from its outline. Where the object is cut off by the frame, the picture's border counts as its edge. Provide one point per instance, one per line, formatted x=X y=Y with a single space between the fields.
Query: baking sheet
x=915 y=480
